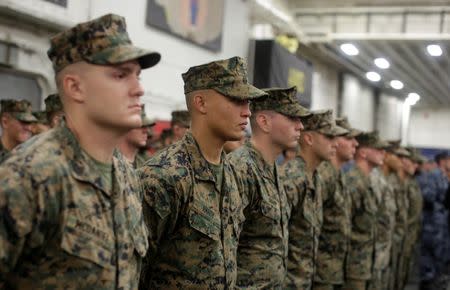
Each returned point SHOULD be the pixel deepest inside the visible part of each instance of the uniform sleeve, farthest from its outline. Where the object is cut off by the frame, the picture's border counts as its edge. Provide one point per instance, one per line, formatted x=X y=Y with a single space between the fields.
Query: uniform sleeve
x=17 y=206
x=161 y=204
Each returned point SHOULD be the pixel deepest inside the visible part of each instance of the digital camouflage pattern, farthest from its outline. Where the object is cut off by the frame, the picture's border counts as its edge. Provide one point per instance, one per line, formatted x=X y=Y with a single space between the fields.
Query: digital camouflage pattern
x=283 y=101
x=413 y=229
x=432 y=253
x=227 y=77
x=19 y=109
x=336 y=227
x=304 y=197
x=263 y=243
x=362 y=238
x=344 y=123
x=401 y=224
x=182 y=117
x=371 y=139
x=61 y=229
x=102 y=41
x=41 y=117
x=384 y=232
x=322 y=121
x=53 y=103
x=3 y=152
x=194 y=222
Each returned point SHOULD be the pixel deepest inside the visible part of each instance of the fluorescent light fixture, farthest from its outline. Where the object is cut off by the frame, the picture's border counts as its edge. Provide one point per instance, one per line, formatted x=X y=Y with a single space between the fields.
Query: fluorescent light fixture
x=349 y=49
x=269 y=6
x=412 y=99
x=434 y=50
x=373 y=76
x=382 y=63
x=396 y=84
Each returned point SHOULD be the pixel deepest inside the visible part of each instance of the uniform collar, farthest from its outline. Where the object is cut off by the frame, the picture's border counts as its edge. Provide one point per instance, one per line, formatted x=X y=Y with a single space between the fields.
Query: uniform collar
x=200 y=165
x=266 y=169
x=83 y=167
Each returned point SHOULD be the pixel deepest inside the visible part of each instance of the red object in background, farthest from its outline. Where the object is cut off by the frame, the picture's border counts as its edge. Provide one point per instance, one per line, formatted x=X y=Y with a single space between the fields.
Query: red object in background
x=159 y=127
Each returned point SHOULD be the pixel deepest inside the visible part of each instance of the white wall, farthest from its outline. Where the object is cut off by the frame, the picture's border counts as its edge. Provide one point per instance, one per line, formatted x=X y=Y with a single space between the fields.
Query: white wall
x=389 y=117
x=163 y=83
x=358 y=103
x=429 y=127
x=324 y=87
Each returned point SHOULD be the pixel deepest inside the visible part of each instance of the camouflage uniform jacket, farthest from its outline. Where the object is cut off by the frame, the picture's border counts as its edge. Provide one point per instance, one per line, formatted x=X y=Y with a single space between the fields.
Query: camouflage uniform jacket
x=194 y=222
x=364 y=210
x=401 y=219
x=3 y=152
x=386 y=211
x=304 y=197
x=60 y=228
x=336 y=228
x=263 y=244
x=414 y=209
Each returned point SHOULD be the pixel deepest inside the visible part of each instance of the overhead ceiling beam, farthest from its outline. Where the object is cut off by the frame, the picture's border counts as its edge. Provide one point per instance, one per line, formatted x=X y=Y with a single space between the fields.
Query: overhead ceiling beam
x=411 y=80
x=424 y=68
x=408 y=69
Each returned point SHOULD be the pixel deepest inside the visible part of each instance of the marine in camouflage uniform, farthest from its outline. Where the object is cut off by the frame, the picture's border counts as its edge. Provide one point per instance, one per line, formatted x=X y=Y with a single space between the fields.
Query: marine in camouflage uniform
x=42 y=124
x=66 y=225
x=19 y=112
x=192 y=206
x=415 y=205
x=54 y=109
x=263 y=244
x=396 y=179
x=385 y=224
x=337 y=205
x=303 y=188
x=180 y=123
x=135 y=140
x=360 y=258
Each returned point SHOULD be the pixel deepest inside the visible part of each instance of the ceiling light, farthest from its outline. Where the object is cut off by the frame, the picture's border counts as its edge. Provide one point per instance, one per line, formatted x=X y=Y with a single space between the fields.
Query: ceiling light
x=349 y=49
x=373 y=76
x=412 y=99
x=434 y=50
x=382 y=63
x=396 y=84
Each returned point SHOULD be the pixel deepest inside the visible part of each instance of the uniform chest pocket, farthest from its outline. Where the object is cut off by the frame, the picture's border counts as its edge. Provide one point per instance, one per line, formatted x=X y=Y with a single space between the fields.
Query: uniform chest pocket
x=87 y=241
x=311 y=212
x=204 y=221
x=370 y=206
x=271 y=210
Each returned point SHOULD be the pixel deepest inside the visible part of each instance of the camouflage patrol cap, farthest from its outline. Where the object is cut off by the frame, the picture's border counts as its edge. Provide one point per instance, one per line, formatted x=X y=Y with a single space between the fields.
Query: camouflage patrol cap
x=181 y=117
x=146 y=121
x=53 y=103
x=283 y=101
x=102 y=41
x=227 y=77
x=371 y=139
x=41 y=117
x=344 y=123
x=402 y=152
x=322 y=121
x=19 y=109
x=416 y=156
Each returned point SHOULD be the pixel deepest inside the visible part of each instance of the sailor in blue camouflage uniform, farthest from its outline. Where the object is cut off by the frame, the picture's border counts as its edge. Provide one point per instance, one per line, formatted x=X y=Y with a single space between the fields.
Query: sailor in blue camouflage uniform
x=434 y=231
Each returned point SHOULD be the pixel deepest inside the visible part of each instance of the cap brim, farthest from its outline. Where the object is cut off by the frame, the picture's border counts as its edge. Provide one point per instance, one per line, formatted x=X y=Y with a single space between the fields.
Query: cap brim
x=25 y=117
x=334 y=131
x=295 y=110
x=241 y=91
x=353 y=133
x=123 y=53
x=147 y=122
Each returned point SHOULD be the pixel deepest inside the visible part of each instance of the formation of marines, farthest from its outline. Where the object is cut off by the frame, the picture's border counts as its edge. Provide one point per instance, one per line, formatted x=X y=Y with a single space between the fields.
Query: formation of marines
x=84 y=207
